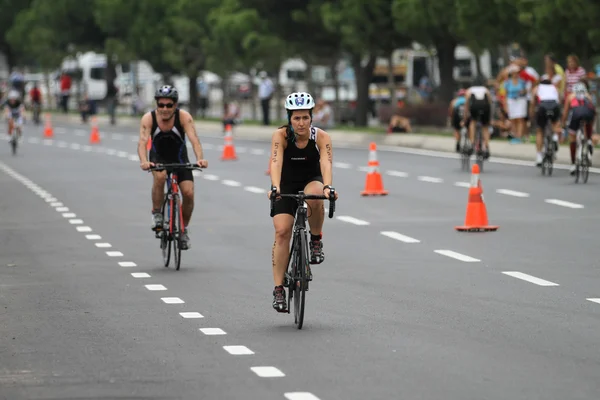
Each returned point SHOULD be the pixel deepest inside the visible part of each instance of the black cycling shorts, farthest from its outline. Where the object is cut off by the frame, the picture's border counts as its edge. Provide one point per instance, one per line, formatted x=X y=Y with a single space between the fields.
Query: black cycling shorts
x=287 y=205
x=580 y=114
x=479 y=110
x=182 y=174
x=457 y=117
x=547 y=107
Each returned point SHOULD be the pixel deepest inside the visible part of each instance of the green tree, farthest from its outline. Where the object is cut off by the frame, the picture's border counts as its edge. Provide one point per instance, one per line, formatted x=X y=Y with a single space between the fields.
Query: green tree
x=367 y=31
x=550 y=30
x=10 y=10
x=433 y=23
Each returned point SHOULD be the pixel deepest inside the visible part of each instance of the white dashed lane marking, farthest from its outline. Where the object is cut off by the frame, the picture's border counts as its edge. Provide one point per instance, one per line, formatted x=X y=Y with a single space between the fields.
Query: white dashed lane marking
x=400 y=237
x=69 y=215
x=254 y=189
x=300 y=396
x=84 y=229
x=563 y=203
x=172 y=300
x=62 y=209
x=75 y=221
x=462 y=184
x=210 y=177
x=228 y=182
x=529 y=278
x=155 y=287
x=352 y=220
x=114 y=254
x=103 y=245
x=93 y=237
x=398 y=174
x=430 y=179
x=191 y=315
x=267 y=372
x=457 y=256
x=140 y=275
x=342 y=165
x=212 y=331
x=127 y=264
x=512 y=193
x=238 y=350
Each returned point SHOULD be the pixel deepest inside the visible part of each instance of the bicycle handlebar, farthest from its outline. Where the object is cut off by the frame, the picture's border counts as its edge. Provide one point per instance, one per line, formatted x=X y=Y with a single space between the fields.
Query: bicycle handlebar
x=301 y=196
x=173 y=166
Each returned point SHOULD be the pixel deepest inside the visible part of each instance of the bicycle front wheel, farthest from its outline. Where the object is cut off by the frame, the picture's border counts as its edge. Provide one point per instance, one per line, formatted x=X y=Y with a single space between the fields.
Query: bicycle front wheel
x=300 y=281
x=165 y=239
x=177 y=232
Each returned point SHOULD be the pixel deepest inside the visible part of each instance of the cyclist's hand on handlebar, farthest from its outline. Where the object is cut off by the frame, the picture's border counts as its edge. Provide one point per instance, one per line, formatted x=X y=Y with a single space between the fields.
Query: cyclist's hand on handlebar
x=327 y=193
x=202 y=163
x=273 y=190
x=146 y=165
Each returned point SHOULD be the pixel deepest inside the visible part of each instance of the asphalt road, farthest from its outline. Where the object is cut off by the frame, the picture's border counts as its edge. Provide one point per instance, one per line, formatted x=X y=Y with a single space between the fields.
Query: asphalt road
x=403 y=307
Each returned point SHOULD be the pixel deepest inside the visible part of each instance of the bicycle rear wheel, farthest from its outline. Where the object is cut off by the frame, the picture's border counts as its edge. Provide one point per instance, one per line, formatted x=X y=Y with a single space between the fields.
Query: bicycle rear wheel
x=165 y=239
x=300 y=281
x=176 y=232
x=585 y=166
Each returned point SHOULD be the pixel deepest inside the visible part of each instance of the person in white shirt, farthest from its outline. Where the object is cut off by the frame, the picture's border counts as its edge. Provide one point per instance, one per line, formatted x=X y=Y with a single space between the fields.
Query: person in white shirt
x=545 y=96
x=265 y=92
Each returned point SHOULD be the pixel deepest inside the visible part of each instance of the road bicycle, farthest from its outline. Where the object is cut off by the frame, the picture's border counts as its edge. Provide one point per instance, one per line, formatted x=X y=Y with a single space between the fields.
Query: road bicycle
x=298 y=272
x=583 y=160
x=171 y=231
x=549 y=145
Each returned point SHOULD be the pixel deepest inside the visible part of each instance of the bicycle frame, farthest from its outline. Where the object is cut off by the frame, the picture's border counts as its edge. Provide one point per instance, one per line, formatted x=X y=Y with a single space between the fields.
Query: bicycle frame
x=172 y=196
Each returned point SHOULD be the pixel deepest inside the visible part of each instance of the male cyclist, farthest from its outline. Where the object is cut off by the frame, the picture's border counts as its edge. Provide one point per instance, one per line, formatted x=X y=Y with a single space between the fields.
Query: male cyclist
x=36 y=102
x=15 y=110
x=301 y=159
x=167 y=127
x=456 y=111
x=478 y=107
x=545 y=95
x=580 y=109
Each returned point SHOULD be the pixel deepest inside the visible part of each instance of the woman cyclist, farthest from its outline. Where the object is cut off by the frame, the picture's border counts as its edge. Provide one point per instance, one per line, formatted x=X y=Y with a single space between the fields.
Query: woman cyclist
x=301 y=160
x=580 y=109
x=547 y=98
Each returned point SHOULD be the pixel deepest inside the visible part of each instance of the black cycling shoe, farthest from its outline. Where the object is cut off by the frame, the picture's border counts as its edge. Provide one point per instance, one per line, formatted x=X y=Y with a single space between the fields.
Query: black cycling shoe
x=279 y=301
x=316 y=252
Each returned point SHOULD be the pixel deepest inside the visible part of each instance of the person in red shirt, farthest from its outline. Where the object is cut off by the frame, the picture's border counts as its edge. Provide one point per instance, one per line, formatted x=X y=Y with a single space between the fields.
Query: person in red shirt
x=36 y=102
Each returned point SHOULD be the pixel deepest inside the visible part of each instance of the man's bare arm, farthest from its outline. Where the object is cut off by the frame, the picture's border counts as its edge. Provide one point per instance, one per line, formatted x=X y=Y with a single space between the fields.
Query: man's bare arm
x=190 y=131
x=145 y=127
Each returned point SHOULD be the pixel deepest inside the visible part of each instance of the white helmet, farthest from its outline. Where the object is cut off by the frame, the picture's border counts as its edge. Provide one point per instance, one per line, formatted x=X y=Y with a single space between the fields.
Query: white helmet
x=299 y=101
x=14 y=95
x=579 y=89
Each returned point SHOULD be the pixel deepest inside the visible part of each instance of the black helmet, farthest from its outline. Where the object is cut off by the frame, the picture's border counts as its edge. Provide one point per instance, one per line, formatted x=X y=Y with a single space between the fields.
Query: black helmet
x=166 y=92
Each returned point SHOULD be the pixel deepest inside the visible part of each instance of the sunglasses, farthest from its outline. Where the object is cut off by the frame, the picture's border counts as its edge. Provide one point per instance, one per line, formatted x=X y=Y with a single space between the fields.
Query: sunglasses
x=163 y=105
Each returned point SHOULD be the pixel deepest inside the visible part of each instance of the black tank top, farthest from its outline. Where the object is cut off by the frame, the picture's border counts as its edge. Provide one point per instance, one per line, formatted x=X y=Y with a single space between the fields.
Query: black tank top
x=301 y=165
x=170 y=146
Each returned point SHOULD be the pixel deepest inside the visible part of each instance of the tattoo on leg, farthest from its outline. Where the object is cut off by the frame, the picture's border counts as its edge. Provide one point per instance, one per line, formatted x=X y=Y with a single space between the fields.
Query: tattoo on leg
x=273 y=254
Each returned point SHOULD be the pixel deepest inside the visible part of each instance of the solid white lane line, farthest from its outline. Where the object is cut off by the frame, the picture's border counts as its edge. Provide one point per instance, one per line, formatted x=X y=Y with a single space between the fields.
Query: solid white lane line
x=400 y=237
x=75 y=221
x=430 y=179
x=228 y=182
x=140 y=275
x=191 y=315
x=267 y=372
x=114 y=254
x=127 y=264
x=512 y=193
x=462 y=184
x=210 y=177
x=342 y=165
x=352 y=220
x=103 y=245
x=212 y=331
x=84 y=229
x=595 y=300
x=93 y=237
x=172 y=300
x=155 y=287
x=254 y=189
x=399 y=174
x=455 y=255
x=238 y=350
x=529 y=278
x=300 y=396
x=563 y=203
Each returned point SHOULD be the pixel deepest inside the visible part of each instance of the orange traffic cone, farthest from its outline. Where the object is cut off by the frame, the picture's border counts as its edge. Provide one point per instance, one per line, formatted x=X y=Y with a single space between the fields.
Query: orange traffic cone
x=476 y=219
x=374 y=184
x=228 y=150
x=95 y=134
x=48 y=131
